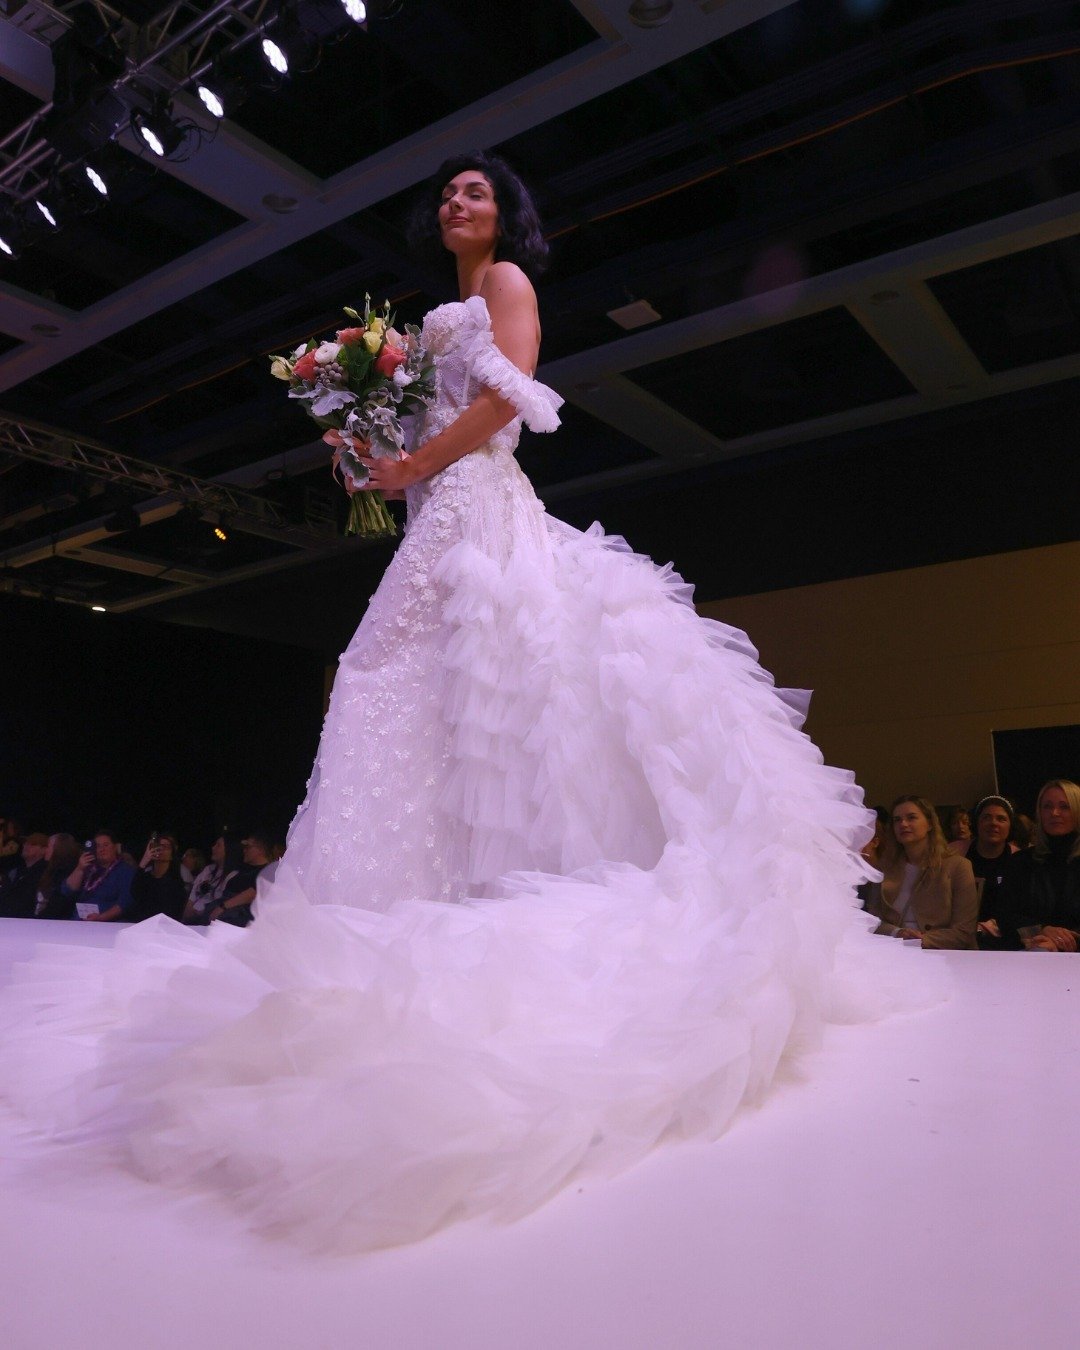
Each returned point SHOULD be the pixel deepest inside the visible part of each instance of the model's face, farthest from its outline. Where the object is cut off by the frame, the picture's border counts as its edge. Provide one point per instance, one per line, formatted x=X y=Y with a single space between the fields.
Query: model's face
x=910 y=826
x=105 y=851
x=469 y=214
x=1056 y=816
x=994 y=826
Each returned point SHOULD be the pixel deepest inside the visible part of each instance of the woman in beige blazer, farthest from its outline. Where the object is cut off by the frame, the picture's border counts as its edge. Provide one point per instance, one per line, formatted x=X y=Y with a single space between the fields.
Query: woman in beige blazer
x=926 y=892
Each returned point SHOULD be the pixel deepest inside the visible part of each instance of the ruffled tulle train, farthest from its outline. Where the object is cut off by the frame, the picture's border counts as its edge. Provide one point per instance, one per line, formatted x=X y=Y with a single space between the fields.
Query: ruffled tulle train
x=652 y=874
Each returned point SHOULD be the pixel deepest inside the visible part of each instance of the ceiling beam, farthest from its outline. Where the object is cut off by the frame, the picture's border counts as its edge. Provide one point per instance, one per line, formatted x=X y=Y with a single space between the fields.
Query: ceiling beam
x=912 y=329
x=138 y=565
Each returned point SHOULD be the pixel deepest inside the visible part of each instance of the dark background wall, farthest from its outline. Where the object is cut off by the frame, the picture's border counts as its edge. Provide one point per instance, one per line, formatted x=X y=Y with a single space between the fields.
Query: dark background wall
x=142 y=725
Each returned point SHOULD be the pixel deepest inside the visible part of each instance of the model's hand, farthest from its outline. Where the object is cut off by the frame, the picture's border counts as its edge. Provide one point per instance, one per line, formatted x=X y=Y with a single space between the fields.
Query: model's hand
x=990 y=926
x=909 y=933
x=389 y=475
x=92 y=918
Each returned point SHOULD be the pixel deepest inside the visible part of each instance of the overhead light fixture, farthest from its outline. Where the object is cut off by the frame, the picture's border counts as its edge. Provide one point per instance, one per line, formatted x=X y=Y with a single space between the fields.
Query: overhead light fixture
x=158 y=128
x=634 y=315
x=355 y=9
x=98 y=609
x=650 y=13
x=7 y=248
x=210 y=100
x=99 y=184
x=276 y=58
x=44 y=210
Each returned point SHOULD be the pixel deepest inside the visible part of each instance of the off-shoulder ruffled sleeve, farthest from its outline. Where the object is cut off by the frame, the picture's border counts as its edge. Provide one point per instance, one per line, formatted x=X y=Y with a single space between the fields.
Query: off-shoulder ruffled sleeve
x=537 y=405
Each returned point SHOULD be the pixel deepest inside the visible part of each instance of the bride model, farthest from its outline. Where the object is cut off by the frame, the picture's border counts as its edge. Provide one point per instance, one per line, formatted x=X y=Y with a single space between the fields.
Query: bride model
x=568 y=879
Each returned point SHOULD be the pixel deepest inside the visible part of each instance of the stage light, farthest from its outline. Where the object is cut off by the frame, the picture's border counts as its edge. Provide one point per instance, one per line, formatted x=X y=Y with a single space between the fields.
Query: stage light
x=210 y=101
x=98 y=609
x=41 y=206
x=96 y=179
x=157 y=127
x=275 y=56
x=355 y=9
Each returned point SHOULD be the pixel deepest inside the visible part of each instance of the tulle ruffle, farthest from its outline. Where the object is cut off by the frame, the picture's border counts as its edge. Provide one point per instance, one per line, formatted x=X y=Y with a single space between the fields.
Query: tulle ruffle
x=537 y=405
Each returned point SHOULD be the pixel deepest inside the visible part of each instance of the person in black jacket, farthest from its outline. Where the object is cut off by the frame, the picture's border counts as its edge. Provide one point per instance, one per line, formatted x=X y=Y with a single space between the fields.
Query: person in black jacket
x=61 y=856
x=1043 y=886
x=18 y=898
x=158 y=887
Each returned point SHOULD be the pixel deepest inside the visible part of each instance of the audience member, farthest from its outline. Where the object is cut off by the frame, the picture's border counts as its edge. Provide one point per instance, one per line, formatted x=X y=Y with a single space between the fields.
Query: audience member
x=1042 y=889
x=209 y=885
x=18 y=899
x=100 y=884
x=990 y=856
x=10 y=843
x=192 y=862
x=235 y=903
x=157 y=887
x=61 y=857
x=956 y=827
x=926 y=892
x=1023 y=832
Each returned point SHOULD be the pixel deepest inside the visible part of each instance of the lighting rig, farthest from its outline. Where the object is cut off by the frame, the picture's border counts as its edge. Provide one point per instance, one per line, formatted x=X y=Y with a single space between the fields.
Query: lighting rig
x=121 y=70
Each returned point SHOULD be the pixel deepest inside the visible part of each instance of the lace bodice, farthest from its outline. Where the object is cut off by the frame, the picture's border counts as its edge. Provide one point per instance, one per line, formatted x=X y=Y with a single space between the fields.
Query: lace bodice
x=460 y=337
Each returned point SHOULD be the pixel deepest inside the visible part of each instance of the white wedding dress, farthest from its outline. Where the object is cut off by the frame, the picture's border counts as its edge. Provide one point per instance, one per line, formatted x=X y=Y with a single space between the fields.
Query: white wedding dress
x=568 y=880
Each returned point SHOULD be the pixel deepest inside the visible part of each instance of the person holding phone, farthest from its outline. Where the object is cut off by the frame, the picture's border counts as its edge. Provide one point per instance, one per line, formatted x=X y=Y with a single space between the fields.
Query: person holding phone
x=100 y=884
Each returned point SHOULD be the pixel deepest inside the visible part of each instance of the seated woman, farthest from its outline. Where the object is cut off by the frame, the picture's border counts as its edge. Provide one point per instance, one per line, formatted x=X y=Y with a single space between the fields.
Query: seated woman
x=158 y=887
x=956 y=827
x=1042 y=889
x=61 y=858
x=210 y=883
x=926 y=892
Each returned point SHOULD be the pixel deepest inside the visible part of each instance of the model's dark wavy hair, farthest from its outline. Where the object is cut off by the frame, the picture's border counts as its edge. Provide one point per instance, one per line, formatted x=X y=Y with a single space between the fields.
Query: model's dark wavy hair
x=521 y=239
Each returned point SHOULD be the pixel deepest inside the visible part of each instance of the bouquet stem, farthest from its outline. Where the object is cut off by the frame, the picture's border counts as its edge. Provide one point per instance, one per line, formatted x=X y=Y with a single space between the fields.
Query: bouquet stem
x=369 y=517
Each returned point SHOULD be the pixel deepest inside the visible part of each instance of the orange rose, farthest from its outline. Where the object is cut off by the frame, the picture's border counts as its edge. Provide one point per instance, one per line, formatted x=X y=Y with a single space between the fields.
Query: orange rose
x=305 y=368
x=389 y=359
x=350 y=336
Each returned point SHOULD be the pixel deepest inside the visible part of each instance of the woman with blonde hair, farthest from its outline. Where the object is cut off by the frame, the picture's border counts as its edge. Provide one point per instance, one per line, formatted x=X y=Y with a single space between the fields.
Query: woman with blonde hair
x=926 y=892
x=1043 y=888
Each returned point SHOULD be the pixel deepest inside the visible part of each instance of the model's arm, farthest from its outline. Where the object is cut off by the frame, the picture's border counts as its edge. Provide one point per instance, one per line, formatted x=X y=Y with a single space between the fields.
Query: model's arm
x=511 y=304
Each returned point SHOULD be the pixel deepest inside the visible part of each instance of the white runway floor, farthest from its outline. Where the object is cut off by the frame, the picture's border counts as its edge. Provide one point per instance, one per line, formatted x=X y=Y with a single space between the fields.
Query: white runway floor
x=915 y=1188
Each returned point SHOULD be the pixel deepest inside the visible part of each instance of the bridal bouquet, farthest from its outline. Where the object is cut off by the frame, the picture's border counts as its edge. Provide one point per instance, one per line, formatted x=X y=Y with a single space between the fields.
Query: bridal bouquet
x=357 y=387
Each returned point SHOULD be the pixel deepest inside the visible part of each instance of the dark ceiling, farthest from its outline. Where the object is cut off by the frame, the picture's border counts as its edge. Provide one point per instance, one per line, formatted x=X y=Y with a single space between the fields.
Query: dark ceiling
x=857 y=220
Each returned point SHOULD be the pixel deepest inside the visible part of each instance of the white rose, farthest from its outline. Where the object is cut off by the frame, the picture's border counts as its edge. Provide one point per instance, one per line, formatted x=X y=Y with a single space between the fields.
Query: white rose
x=299 y=351
x=326 y=352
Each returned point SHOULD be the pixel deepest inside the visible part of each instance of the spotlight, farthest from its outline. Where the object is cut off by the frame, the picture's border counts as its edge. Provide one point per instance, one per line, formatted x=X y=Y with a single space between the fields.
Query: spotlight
x=296 y=41
x=355 y=9
x=275 y=56
x=221 y=528
x=97 y=181
x=44 y=210
x=650 y=13
x=98 y=609
x=7 y=248
x=210 y=101
x=157 y=128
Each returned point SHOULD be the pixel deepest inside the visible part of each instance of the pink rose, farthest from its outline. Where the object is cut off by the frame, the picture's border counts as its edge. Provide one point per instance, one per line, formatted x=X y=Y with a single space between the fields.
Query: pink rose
x=305 y=368
x=350 y=336
x=389 y=359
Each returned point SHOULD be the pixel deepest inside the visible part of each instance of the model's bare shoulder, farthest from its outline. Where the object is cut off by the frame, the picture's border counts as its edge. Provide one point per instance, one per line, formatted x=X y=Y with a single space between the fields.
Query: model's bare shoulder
x=506 y=281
